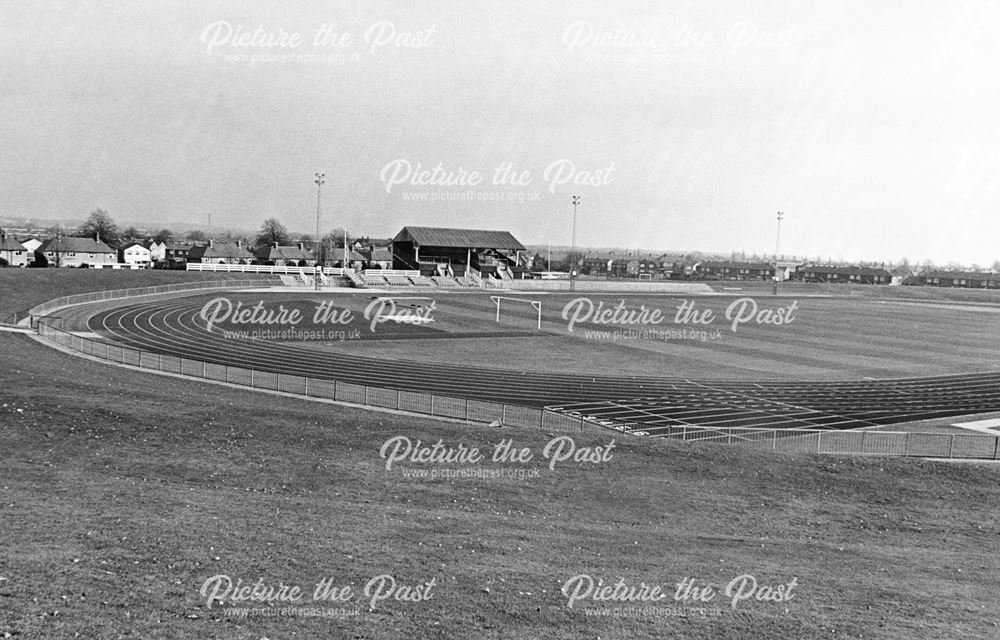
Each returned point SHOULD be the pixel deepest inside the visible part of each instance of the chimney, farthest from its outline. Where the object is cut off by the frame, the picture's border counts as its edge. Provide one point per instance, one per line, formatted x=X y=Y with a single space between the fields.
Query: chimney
x=275 y=245
x=97 y=236
x=302 y=246
x=211 y=242
x=239 y=244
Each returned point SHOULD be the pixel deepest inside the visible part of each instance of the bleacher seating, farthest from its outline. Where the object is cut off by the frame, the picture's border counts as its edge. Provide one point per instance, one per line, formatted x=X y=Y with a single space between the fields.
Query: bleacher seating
x=445 y=281
x=355 y=280
x=338 y=281
x=373 y=280
x=396 y=280
x=422 y=281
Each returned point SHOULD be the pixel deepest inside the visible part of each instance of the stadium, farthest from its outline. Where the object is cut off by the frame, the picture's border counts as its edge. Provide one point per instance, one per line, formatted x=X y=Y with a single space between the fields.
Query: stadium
x=498 y=321
x=891 y=373
x=876 y=366
x=726 y=373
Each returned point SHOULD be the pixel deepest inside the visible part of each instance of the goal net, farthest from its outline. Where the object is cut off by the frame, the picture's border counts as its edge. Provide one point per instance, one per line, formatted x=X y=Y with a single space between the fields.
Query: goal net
x=505 y=304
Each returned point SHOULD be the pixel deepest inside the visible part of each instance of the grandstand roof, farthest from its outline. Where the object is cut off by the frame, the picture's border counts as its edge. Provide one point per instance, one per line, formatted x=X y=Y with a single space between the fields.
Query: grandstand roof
x=464 y=238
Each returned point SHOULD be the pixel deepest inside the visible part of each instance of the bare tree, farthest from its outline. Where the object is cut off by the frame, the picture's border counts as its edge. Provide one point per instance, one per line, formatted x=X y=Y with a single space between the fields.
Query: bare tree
x=99 y=223
x=331 y=246
x=272 y=231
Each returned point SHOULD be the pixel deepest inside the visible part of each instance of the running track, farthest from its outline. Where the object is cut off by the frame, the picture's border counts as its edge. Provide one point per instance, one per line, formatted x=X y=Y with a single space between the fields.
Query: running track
x=171 y=327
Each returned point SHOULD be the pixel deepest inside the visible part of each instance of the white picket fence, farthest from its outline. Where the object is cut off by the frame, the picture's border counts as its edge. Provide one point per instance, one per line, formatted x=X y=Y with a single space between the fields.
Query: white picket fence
x=262 y=268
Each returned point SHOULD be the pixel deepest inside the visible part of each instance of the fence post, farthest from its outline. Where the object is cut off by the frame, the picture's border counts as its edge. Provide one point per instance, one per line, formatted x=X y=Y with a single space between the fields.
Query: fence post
x=432 y=404
x=397 y=399
x=774 y=440
x=819 y=439
x=951 y=445
x=251 y=378
x=503 y=414
x=159 y=362
x=466 y=409
x=996 y=447
x=366 y=395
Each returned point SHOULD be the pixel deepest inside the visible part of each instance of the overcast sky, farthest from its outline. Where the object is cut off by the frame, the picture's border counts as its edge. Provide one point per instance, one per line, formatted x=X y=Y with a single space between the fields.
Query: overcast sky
x=681 y=125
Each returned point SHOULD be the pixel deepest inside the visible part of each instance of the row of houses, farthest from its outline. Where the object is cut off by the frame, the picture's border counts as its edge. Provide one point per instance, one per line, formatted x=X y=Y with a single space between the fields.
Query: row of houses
x=633 y=265
x=852 y=274
x=70 y=251
x=664 y=266
x=786 y=270
x=435 y=250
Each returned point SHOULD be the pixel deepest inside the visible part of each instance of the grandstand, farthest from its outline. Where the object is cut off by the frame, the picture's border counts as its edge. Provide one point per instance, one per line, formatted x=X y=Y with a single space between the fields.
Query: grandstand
x=444 y=252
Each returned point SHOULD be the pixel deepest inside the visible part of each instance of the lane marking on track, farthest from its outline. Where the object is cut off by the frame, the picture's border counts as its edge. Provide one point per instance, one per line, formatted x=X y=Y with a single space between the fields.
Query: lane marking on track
x=982 y=426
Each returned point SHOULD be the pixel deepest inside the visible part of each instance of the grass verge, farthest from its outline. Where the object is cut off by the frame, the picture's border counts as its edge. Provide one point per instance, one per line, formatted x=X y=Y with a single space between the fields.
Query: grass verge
x=124 y=492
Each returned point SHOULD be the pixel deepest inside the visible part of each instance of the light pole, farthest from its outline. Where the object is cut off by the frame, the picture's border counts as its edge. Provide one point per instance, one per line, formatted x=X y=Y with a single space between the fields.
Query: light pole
x=320 y=179
x=777 y=243
x=572 y=253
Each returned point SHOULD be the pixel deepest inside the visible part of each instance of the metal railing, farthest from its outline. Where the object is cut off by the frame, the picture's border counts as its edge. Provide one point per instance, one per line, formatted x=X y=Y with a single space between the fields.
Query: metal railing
x=114 y=294
x=465 y=409
x=11 y=318
x=847 y=442
x=391 y=272
x=884 y=443
x=263 y=269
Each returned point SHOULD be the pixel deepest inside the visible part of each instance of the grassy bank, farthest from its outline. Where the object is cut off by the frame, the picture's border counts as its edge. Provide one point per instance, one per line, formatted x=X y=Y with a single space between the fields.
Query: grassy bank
x=123 y=493
x=21 y=289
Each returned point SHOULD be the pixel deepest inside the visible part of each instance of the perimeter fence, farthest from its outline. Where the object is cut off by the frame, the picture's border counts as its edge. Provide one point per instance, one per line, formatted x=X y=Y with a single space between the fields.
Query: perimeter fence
x=883 y=443
x=466 y=409
x=857 y=441
x=116 y=294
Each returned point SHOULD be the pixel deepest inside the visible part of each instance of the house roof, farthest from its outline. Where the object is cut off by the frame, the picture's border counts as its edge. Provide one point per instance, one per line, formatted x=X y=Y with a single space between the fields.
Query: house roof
x=735 y=264
x=223 y=250
x=846 y=271
x=962 y=275
x=128 y=245
x=381 y=255
x=458 y=238
x=373 y=242
x=73 y=244
x=10 y=244
x=271 y=252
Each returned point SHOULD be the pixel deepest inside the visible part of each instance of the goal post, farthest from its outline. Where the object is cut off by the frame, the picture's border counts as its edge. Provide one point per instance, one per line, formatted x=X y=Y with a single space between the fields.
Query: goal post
x=535 y=304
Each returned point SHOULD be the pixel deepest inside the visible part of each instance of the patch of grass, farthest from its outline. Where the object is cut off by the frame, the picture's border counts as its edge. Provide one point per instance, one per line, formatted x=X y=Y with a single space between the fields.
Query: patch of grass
x=124 y=492
x=877 y=292
x=21 y=289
